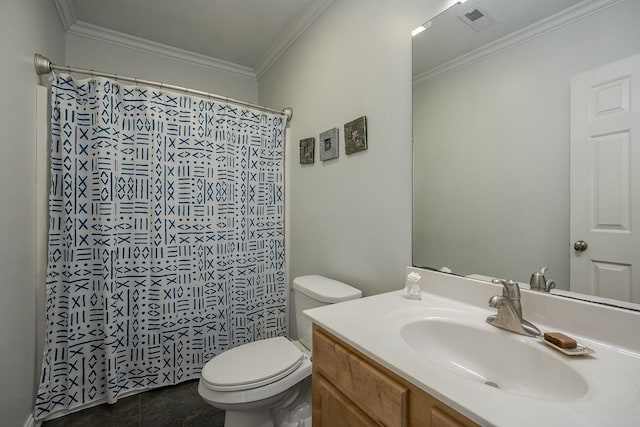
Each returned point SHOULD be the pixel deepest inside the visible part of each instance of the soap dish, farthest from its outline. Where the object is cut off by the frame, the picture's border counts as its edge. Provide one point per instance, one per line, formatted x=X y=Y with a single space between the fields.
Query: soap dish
x=579 y=350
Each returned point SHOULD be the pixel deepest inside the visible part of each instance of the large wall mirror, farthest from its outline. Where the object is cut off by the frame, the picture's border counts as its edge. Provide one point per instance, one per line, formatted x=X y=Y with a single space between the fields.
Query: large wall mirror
x=503 y=90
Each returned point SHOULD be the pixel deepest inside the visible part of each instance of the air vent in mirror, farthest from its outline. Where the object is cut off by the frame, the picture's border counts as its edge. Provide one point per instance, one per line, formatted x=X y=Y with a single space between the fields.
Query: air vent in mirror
x=477 y=18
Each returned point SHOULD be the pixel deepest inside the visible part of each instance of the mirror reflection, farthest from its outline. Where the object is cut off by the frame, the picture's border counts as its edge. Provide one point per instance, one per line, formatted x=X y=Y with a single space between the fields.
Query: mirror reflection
x=524 y=115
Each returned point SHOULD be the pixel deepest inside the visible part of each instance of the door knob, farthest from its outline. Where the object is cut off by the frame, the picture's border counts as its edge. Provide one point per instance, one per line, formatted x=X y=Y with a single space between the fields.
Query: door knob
x=580 y=246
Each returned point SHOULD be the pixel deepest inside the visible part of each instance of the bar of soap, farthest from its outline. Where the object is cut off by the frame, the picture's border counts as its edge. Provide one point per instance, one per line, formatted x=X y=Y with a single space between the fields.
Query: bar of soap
x=560 y=339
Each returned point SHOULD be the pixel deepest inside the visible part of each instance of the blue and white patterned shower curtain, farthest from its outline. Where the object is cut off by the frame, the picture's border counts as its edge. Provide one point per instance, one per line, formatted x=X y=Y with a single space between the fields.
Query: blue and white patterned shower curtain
x=166 y=240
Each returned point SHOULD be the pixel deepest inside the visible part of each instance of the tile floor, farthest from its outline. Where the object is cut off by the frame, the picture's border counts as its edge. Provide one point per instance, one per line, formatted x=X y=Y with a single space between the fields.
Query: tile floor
x=175 y=406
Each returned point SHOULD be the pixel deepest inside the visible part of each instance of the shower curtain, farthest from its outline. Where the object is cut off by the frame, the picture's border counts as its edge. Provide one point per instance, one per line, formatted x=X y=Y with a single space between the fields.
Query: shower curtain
x=166 y=238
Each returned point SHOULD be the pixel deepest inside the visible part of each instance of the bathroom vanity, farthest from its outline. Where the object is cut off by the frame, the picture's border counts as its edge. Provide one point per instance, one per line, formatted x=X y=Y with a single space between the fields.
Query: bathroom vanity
x=388 y=360
x=351 y=390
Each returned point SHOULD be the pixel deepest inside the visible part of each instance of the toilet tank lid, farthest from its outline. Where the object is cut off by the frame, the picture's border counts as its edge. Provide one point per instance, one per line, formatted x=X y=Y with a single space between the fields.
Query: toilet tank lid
x=324 y=289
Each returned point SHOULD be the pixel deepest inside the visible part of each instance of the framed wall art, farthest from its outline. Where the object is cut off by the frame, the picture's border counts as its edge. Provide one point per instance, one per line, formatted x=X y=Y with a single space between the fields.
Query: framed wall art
x=307 y=147
x=328 y=144
x=355 y=135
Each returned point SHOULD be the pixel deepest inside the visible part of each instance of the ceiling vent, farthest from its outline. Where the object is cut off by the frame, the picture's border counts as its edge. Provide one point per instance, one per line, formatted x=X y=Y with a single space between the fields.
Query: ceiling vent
x=477 y=18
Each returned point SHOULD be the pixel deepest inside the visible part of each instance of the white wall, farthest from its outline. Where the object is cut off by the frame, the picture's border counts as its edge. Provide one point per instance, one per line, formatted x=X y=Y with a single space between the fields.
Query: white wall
x=94 y=54
x=351 y=217
x=28 y=26
x=494 y=176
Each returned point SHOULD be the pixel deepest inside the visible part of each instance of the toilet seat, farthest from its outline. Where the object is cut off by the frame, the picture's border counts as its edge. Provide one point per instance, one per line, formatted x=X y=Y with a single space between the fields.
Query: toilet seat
x=236 y=369
x=256 y=386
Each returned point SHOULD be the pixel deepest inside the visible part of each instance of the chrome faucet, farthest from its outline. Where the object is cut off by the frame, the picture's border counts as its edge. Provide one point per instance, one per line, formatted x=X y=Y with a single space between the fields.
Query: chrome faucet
x=509 y=316
x=539 y=283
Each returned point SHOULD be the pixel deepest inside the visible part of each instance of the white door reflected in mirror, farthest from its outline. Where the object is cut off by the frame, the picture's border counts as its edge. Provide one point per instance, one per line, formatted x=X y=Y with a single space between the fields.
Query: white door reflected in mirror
x=605 y=194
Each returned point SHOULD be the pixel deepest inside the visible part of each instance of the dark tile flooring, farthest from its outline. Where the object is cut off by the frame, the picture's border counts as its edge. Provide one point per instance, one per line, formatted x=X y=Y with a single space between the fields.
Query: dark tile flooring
x=175 y=406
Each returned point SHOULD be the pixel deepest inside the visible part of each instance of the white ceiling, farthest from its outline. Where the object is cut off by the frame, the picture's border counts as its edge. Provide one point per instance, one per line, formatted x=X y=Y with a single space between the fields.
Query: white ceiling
x=247 y=33
x=449 y=37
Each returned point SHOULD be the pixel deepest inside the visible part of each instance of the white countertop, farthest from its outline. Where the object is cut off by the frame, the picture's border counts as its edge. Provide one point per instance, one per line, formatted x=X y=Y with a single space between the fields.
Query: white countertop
x=372 y=326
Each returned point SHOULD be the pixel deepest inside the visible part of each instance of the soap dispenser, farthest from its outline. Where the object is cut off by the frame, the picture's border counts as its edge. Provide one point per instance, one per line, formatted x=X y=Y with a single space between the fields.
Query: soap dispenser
x=539 y=283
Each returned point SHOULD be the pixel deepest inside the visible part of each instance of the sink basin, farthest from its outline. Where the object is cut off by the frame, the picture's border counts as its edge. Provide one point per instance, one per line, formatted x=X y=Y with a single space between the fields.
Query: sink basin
x=500 y=359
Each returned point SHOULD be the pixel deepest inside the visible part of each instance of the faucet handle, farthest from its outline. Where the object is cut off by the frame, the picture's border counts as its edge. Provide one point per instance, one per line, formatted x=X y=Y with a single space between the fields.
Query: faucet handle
x=510 y=288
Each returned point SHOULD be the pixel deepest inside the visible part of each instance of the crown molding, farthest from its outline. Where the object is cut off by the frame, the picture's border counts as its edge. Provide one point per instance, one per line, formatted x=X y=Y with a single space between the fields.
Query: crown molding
x=558 y=20
x=290 y=35
x=96 y=32
x=67 y=13
x=74 y=26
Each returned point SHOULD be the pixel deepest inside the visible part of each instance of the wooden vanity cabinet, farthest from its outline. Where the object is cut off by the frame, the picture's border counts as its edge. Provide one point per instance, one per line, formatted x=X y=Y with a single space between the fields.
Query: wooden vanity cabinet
x=351 y=390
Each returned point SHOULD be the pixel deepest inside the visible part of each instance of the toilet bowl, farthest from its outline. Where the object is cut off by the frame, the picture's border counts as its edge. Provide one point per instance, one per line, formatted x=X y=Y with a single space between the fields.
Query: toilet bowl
x=267 y=383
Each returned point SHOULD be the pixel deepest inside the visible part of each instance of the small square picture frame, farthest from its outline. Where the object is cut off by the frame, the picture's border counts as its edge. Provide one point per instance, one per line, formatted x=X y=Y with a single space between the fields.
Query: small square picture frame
x=355 y=135
x=307 y=147
x=328 y=144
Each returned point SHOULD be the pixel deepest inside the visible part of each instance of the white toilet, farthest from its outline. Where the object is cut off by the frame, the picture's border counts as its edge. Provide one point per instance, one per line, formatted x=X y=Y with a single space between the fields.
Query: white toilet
x=267 y=383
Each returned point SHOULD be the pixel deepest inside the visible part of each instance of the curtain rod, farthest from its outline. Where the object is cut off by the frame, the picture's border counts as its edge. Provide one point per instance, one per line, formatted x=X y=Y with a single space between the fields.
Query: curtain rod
x=45 y=66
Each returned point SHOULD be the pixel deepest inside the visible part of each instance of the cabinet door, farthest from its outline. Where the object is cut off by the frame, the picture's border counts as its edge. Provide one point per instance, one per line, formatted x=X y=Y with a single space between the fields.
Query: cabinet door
x=332 y=409
x=351 y=390
x=381 y=397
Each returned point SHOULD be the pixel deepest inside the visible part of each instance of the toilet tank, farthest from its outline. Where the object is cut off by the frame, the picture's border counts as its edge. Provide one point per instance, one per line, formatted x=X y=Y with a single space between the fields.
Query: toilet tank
x=316 y=291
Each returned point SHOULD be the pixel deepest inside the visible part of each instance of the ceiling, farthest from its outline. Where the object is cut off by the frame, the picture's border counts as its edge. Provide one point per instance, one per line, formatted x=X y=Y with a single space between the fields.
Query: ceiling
x=248 y=34
x=449 y=37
